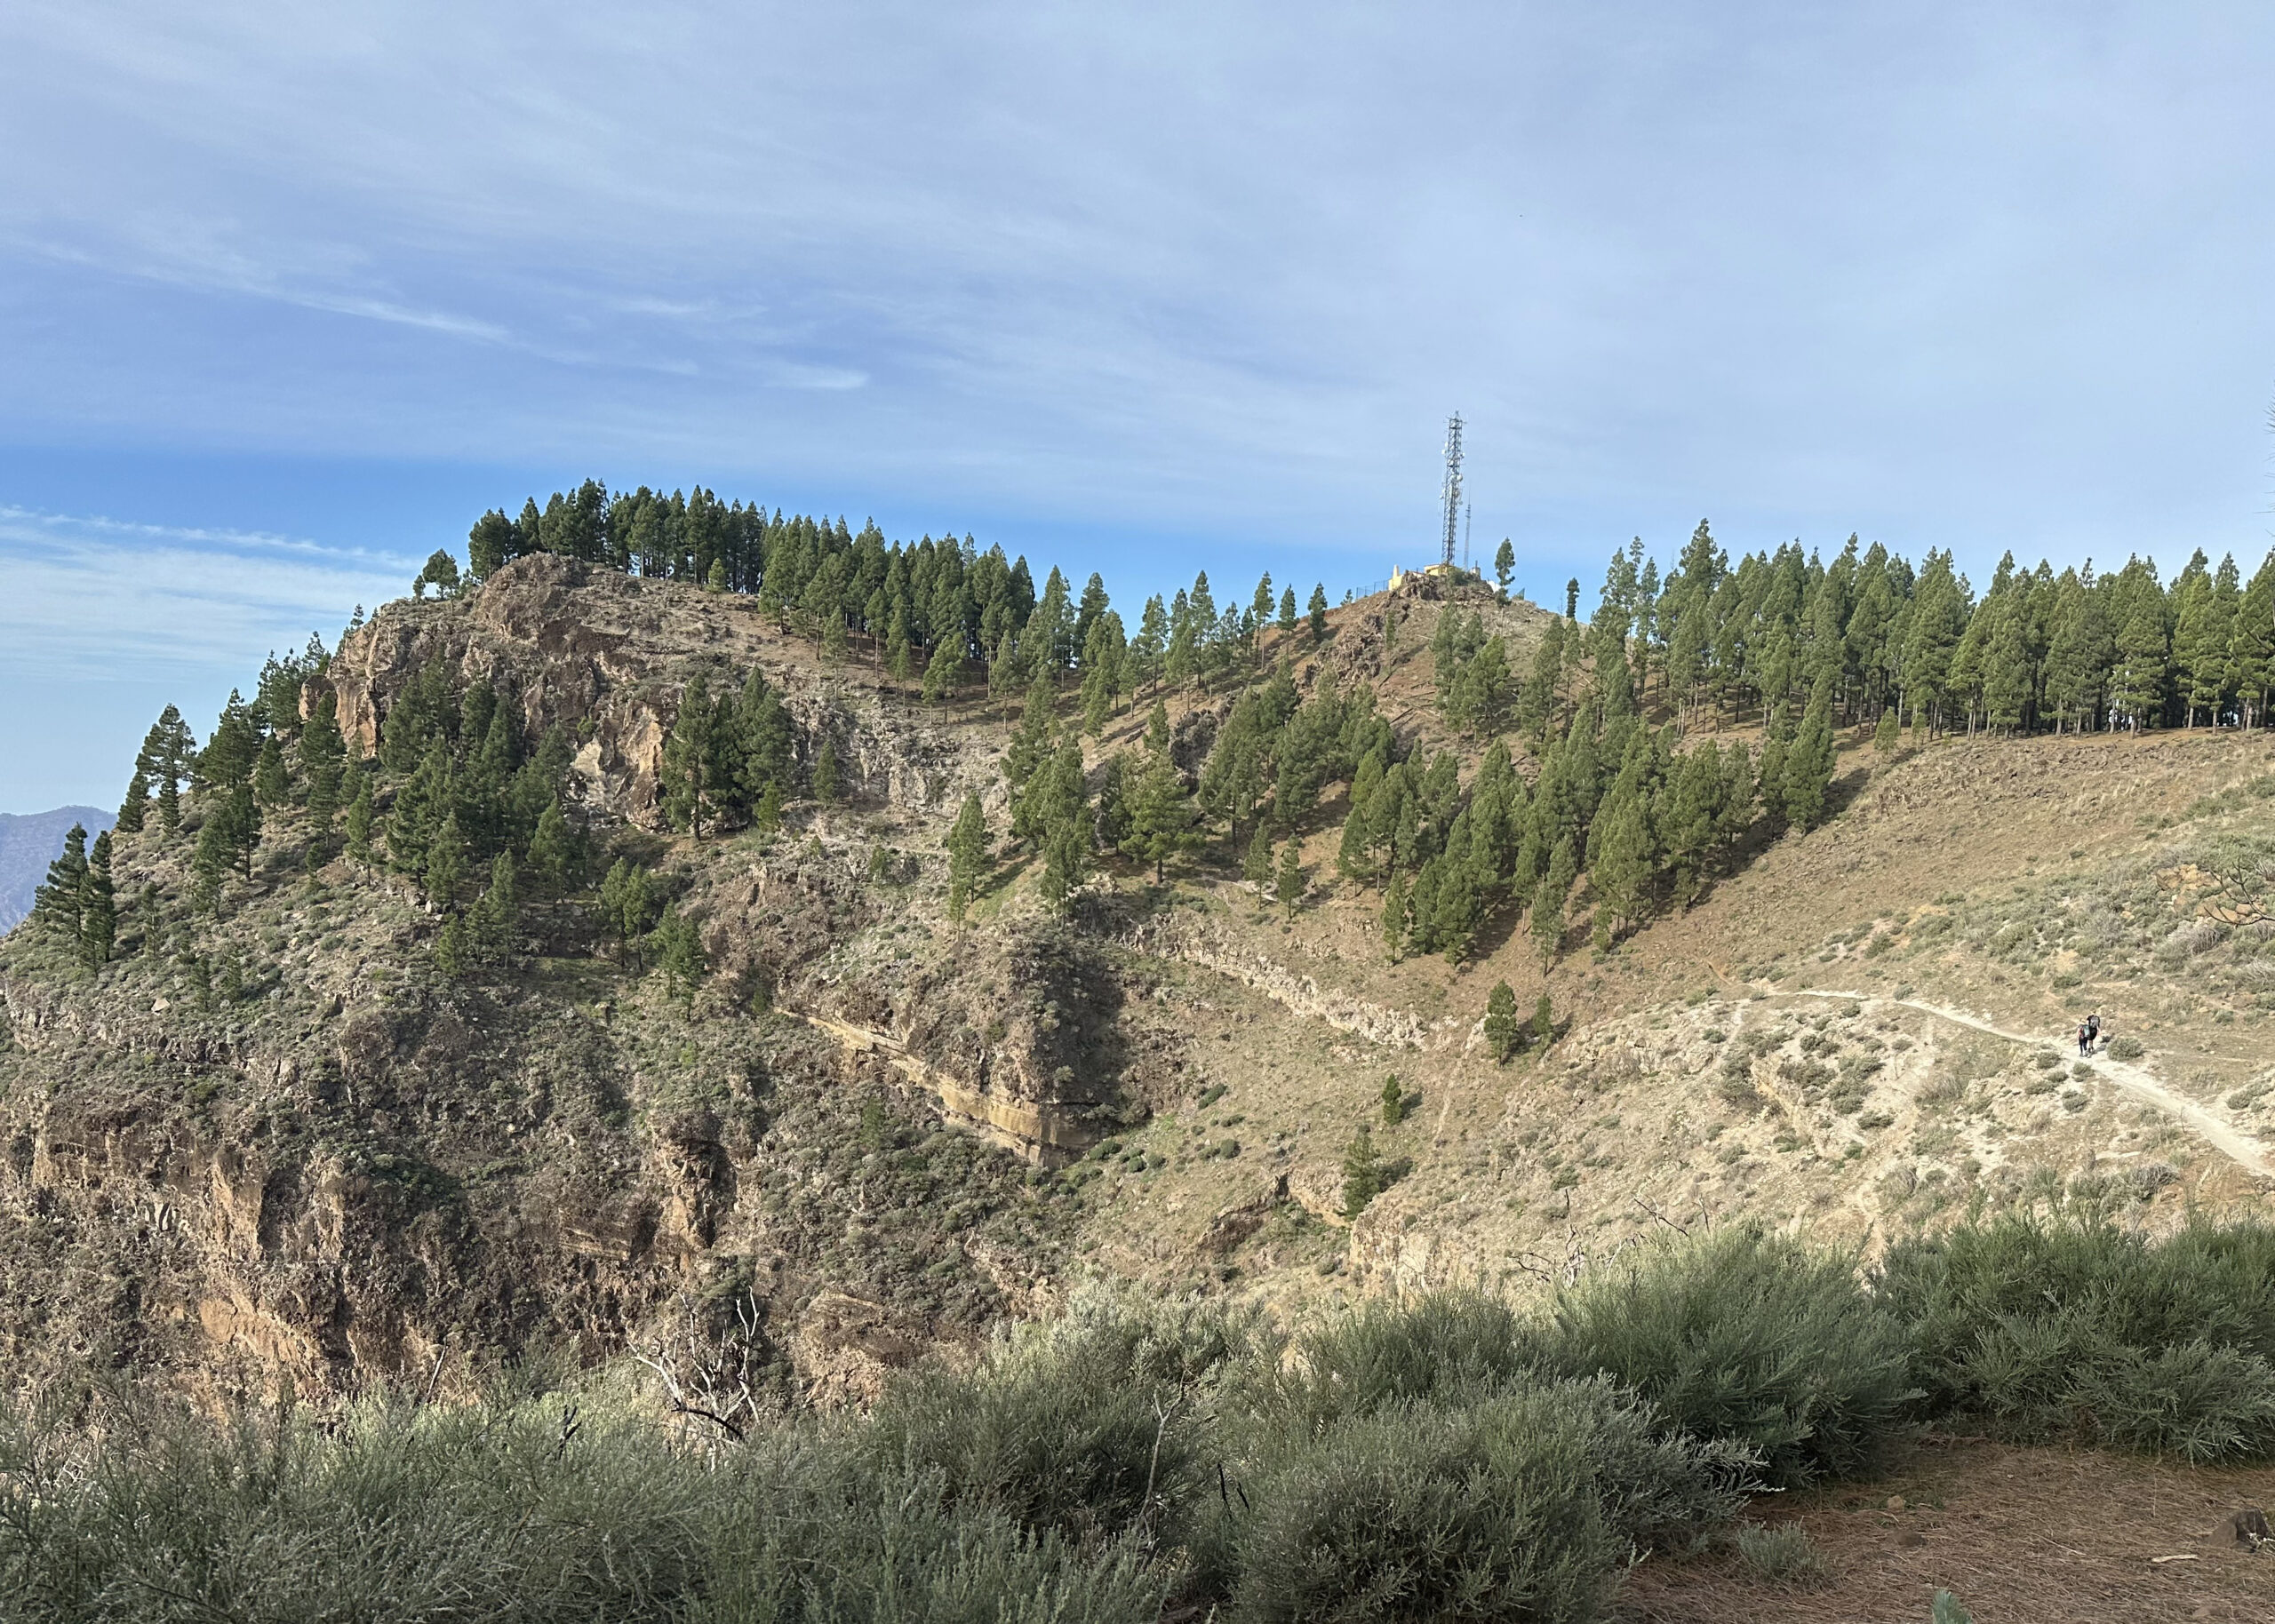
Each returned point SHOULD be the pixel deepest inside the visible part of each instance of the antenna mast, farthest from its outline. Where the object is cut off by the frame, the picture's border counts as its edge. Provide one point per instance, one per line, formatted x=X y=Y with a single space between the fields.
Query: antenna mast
x=1453 y=484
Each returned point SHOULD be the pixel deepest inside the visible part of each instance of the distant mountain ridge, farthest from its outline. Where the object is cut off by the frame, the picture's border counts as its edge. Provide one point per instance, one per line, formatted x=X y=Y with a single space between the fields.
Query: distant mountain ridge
x=30 y=842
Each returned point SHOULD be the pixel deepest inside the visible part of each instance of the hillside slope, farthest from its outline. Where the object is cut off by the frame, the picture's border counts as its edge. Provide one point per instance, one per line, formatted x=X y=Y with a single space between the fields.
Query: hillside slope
x=286 y=1138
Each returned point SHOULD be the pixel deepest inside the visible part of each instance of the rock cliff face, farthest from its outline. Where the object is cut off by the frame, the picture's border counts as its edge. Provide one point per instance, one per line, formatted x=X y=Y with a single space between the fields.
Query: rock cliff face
x=271 y=1147
x=606 y=657
x=410 y=1188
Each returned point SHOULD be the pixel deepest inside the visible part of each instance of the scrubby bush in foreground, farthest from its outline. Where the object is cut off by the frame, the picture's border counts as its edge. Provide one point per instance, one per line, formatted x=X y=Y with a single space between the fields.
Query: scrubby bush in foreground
x=1450 y=1458
x=1440 y=1346
x=529 y=1513
x=1748 y=1336
x=1495 y=1510
x=1084 y=1427
x=2046 y=1327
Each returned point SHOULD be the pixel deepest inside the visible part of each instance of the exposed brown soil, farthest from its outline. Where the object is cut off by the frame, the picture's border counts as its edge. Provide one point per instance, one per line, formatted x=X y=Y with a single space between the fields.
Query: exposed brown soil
x=2020 y=1536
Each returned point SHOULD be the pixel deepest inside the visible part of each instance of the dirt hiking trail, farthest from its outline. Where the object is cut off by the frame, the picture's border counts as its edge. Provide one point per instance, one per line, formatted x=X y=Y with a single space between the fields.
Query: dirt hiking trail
x=2238 y=1147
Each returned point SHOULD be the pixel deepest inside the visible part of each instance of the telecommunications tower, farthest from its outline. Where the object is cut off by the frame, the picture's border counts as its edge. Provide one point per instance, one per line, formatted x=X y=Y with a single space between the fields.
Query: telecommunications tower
x=1453 y=485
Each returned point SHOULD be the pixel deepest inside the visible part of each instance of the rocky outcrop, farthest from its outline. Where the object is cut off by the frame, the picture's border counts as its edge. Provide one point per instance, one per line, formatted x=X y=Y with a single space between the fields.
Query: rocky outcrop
x=606 y=657
x=1017 y=1036
x=1198 y=944
x=406 y=1191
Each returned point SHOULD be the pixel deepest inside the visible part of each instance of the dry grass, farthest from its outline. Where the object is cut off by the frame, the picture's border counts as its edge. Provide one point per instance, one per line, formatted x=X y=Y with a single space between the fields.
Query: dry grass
x=2021 y=1536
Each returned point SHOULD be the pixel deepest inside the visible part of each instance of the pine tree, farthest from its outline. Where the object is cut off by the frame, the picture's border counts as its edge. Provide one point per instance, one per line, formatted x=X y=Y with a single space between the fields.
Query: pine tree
x=1031 y=749
x=762 y=750
x=1776 y=744
x=149 y=762
x=680 y=955
x=136 y=807
x=490 y=923
x=1422 y=906
x=1353 y=857
x=2009 y=681
x=1544 y=1019
x=323 y=752
x=164 y=760
x=446 y=862
x=228 y=759
x=1504 y=1032
x=2201 y=634
x=2251 y=645
x=1287 y=621
x=1689 y=816
x=1362 y=1174
x=454 y=948
x=1111 y=826
x=1066 y=860
x=2138 y=682
x=941 y=673
x=56 y=904
x=1003 y=673
x=1808 y=763
x=271 y=788
x=1161 y=815
x=1537 y=701
x=551 y=847
x=1098 y=696
x=426 y=797
x=358 y=788
x=766 y=816
x=967 y=856
x=210 y=860
x=1937 y=621
x=1887 y=735
x=1318 y=614
x=1288 y=885
x=1504 y=565
x=832 y=637
x=169 y=805
x=440 y=572
x=689 y=795
x=625 y=902
x=240 y=818
x=1620 y=864
x=1257 y=870
x=1394 y=921
x=2078 y=655
x=1478 y=702
x=1157 y=730
x=1152 y=641
x=98 y=911
x=1182 y=662
x=1548 y=900
x=1740 y=795
x=1458 y=905
x=1061 y=812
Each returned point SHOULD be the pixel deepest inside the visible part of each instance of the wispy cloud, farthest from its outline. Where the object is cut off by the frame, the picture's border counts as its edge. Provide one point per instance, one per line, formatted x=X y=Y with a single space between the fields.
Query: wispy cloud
x=189 y=253
x=1966 y=276
x=90 y=597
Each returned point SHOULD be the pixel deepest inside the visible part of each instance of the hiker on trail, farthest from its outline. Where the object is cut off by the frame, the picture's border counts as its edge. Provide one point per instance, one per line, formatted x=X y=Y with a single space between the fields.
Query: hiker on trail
x=2093 y=1032
x=2085 y=1040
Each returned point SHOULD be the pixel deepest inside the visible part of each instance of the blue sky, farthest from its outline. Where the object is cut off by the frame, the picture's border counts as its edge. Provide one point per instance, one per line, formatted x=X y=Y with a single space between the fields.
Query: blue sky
x=289 y=293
